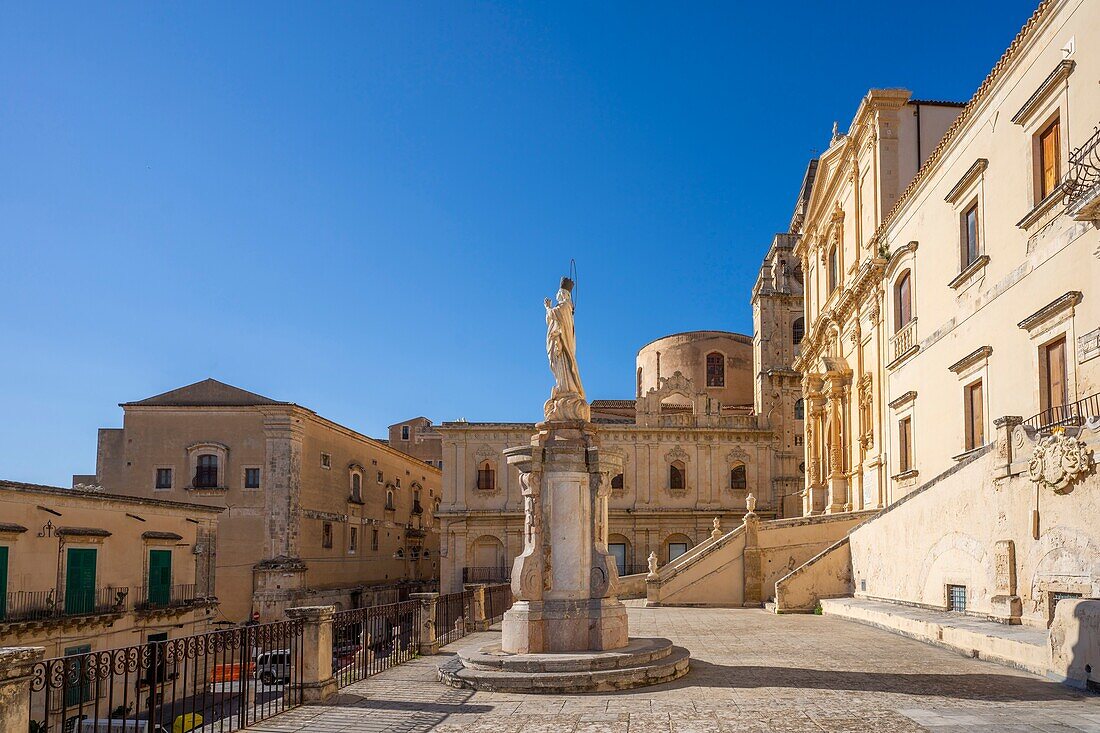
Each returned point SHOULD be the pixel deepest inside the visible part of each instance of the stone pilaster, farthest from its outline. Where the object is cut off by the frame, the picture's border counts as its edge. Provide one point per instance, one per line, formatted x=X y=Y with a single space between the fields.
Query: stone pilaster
x=1006 y=605
x=753 y=565
x=1003 y=427
x=475 y=613
x=318 y=683
x=16 y=665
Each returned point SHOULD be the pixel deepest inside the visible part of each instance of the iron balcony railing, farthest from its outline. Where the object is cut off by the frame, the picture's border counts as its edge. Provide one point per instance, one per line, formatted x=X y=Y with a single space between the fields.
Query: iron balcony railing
x=486 y=574
x=152 y=597
x=49 y=604
x=1082 y=182
x=1072 y=414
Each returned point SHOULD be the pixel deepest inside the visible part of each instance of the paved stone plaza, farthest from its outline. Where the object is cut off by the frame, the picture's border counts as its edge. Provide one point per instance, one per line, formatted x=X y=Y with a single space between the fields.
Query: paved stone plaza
x=751 y=671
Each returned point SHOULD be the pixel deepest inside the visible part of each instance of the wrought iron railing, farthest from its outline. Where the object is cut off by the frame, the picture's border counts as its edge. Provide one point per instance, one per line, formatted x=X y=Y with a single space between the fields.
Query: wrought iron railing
x=49 y=604
x=1082 y=182
x=903 y=339
x=152 y=597
x=366 y=641
x=486 y=574
x=452 y=613
x=218 y=681
x=1072 y=414
x=498 y=599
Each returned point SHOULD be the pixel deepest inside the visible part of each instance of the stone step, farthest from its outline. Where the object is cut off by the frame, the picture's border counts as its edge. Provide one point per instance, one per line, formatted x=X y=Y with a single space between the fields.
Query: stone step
x=638 y=652
x=769 y=606
x=1021 y=647
x=676 y=664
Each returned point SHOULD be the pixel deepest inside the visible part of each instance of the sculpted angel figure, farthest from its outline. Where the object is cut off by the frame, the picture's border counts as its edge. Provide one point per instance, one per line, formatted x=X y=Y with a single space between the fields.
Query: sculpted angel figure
x=567 y=400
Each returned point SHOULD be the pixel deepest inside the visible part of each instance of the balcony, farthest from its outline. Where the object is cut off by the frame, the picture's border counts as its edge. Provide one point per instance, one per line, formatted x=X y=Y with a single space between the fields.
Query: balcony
x=1082 y=183
x=486 y=574
x=903 y=343
x=1073 y=414
x=46 y=605
x=156 y=598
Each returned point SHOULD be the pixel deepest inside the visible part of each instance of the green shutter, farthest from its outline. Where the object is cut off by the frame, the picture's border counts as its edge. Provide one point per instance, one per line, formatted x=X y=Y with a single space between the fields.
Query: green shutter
x=3 y=581
x=160 y=577
x=80 y=581
x=77 y=688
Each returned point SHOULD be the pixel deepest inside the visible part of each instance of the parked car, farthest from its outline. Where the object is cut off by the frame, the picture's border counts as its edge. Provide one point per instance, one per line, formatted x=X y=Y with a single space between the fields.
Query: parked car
x=273 y=667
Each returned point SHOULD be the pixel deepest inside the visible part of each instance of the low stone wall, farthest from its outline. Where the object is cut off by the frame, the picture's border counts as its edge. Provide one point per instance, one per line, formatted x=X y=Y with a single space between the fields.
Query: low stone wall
x=632 y=586
x=1075 y=644
x=826 y=575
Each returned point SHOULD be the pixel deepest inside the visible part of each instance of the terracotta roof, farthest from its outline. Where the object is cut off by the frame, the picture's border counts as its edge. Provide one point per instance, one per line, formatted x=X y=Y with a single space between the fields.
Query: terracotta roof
x=207 y=393
x=964 y=117
x=937 y=102
x=615 y=404
x=104 y=496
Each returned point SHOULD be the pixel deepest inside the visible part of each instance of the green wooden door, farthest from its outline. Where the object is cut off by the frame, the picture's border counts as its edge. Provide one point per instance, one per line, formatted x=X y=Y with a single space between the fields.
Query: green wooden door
x=77 y=688
x=160 y=577
x=3 y=581
x=80 y=580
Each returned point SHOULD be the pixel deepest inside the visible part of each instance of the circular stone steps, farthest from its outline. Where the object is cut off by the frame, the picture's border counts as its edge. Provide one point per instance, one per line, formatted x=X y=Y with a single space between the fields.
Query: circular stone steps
x=641 y=662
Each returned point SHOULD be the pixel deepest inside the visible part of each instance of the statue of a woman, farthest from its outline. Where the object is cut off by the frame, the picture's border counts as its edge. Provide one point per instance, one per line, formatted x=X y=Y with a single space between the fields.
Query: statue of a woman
x=567 y=401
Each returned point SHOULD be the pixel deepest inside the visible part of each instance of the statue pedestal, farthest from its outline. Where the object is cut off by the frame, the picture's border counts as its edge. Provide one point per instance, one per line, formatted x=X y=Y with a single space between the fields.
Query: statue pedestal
x=564 y=581
x=566 y=631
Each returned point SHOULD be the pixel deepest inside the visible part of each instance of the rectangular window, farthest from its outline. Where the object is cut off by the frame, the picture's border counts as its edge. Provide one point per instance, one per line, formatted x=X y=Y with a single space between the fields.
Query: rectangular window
x=3 y=582
x=353 y=541
x=374 y=540
x=404 y=432
x=1055 y=389
x=80 y=567
x=975 y=416
x=164 y=478
x=77 y=690
x=905 y=444
x=969 y=249
x=326 y=460
x=160 y=578
x=326 y=534
x=380 y=478
x=675 y=549
x=956 y=598
x=1050 y=172
x=834 y=270
x=252 y=478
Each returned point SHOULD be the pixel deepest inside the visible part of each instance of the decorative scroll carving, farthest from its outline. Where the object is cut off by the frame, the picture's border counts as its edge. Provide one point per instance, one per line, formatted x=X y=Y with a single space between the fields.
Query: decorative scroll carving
x=1058 y=461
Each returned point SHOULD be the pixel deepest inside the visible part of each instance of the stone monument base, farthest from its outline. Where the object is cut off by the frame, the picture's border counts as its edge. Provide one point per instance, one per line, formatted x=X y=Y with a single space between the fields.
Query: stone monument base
x=639 y=663
x=597 y=624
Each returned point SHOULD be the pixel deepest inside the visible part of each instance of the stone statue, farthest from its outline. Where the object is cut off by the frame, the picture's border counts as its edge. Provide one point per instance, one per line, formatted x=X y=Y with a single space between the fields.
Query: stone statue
x=652 y=560
x=717 y=531
x=567 y=400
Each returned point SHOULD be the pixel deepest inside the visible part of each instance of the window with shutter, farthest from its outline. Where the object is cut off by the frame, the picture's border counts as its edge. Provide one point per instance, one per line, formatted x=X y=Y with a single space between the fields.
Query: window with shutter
x=1049 y=159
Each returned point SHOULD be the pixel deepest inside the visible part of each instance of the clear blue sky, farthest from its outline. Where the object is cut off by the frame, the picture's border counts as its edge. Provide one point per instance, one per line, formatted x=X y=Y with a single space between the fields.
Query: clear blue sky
x=360 y=206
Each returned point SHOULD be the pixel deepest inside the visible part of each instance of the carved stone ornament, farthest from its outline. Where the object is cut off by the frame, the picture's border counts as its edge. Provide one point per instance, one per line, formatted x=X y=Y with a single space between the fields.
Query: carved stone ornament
x=1058 y=461
x=485 y=453
x=737 y=455
x=652 y=562
x=750 y=503
x=677 y=454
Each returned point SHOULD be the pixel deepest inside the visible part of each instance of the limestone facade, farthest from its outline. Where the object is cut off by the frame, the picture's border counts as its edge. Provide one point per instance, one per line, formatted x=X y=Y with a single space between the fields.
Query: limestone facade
x=90 y=570
x=688 y=455
x=418 y=438
x=856 y=180
x=315 y=513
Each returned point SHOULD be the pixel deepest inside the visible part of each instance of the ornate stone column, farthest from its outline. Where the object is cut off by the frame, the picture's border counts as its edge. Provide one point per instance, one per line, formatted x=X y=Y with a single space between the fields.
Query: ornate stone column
x=814 y=496
x=839 y=440
x=429 y=640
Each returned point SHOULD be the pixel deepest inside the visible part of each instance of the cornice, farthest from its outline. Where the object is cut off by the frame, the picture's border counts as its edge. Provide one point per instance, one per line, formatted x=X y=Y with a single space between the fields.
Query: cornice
x=1058 y=76
x=1051 y=309
x=969 y=177
x=903 y=400
x=982 y=352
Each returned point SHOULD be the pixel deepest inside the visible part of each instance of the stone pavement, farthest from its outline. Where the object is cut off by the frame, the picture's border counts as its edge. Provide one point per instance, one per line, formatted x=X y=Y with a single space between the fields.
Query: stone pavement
x=751 y=671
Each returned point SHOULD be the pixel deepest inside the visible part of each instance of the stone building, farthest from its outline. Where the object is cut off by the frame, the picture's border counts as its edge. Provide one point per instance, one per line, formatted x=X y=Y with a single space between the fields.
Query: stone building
x=981 y=277
x=89 y=570
x=715 y=419
x=314 y=511
x=418 y=438
x=855 y=181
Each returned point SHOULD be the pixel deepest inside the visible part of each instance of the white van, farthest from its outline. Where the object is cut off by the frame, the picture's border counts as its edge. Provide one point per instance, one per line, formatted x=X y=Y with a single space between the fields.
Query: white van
x=273 y=667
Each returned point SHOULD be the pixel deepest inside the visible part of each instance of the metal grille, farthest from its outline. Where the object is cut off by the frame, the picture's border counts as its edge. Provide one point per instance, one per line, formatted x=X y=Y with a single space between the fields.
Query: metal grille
x=956 y=598
x=498 y=599
x=219 y=681
x=451 y=613
x=366 y=641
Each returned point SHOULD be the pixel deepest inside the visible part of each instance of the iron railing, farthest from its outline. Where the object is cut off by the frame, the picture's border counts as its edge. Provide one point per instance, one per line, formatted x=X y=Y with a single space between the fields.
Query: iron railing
x=1072 y=414
x=218 y=681
x=452 y=612
x=498 y=599
x=1082 y=182
x=486 y=574
x=366 y=641
x=154 y=597
x=41 y=605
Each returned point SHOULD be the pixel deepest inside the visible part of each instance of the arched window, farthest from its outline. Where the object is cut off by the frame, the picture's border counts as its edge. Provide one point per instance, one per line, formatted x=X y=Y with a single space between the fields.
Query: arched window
x=389 y=499
x=677 y=475
x=799 y=409
x=716 y=370
x=417 y=509
x=486 y=476
x=738 y=477
x=798 y=330
x=356 y=487
x=206 y=471
x=617 y=481
x=903 y=301
x=834 y=269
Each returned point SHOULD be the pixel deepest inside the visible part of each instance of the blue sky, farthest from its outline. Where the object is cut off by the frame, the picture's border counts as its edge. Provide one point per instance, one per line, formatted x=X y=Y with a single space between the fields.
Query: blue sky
x=359 y=207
